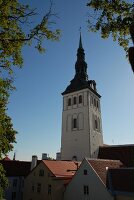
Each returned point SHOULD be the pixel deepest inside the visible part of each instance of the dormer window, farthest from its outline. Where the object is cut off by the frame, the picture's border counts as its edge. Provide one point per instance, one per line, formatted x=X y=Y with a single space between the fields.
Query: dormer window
x=69 y=102
x=80 y=99
x=74 y=100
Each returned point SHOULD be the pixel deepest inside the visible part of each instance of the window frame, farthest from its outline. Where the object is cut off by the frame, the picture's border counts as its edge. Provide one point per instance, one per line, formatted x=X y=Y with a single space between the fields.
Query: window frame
x=85 y=172
x=86 y=189
x=69 y=102
x=74 y=123
x=74 y=100
x=41 y=172
x=38 y=187
x=14 y=195
x=80 y=99
x=49 y=189
x=15 y=182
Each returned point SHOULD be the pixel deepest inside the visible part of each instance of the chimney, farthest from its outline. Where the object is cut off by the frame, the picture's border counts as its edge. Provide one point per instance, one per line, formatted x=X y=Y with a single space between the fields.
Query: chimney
x=34 y=161
x=58 y=156
x=44 y=156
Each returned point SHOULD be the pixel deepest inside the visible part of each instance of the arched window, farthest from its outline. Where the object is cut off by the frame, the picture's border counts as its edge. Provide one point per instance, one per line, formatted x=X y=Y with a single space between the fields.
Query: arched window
x=80 y=99
x=69 y=102
x=74 y=123
x=96 y=124
x=74 y=100
x=95 y=102
x=91 y=100
x=81 y=121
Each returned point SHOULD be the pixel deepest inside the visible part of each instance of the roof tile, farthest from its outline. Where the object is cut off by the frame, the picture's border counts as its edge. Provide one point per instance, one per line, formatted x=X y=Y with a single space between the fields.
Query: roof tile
x=101 y=166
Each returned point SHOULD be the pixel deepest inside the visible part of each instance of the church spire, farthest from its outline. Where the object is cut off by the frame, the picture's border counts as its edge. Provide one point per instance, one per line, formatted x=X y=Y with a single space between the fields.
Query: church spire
x=81 y=65
x=80 y=41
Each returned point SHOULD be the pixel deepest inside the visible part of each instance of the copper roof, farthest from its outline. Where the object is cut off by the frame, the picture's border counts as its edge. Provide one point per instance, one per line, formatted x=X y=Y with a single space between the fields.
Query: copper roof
x=124 y=153
x=61 y=168
x=101 y=167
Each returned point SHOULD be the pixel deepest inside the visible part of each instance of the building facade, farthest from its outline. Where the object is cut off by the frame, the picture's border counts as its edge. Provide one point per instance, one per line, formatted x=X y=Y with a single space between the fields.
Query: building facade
x=48 y=180
x=16 y=171
x=89 y=182
x=81 y=115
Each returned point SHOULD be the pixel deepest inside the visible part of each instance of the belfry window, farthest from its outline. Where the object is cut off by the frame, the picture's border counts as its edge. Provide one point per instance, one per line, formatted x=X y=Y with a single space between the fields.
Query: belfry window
x=96 y=124
x=80 y=99
x=95 y=102
x=69 y=102
x=74 y=123
x=74 y=100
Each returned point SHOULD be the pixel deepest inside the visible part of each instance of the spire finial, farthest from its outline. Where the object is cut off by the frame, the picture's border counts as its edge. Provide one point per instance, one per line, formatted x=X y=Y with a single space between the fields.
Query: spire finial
x=80 y=41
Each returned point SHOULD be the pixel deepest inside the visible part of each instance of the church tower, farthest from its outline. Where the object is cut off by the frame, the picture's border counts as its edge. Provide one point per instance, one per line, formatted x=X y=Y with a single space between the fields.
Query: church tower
x=81 y=115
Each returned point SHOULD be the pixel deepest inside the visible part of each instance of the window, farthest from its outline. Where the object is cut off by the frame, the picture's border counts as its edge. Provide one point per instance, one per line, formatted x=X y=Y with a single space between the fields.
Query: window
x=85 y=172
x=38 y=187
x=15 y=183
x=13 y=195
x=69 y=102
x=74 y=123
x=91 y=100
x=74 y=100
x=32 y=187
x=49 y=189
x=96 y=124
x=95 y=102
x=22 y=183
x=86 y=189
x=80 y=99
x=41 y=172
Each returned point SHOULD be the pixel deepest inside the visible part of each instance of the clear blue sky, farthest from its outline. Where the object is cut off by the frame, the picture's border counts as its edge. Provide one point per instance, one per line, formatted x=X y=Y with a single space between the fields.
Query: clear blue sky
x=36 y=105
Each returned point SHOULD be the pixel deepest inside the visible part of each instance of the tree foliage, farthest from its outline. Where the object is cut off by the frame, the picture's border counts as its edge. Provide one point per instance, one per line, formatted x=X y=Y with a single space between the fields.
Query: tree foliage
x=17 y=29
x=3 y=182
x=7 y=133
x=111 y=17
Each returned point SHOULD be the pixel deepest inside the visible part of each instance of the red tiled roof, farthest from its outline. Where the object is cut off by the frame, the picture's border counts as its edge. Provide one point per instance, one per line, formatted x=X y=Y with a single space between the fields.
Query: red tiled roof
x=121 y=180
x=16 y=168
x=6 y=158
x=61 y=168
x=124 y=153
x=101 y=166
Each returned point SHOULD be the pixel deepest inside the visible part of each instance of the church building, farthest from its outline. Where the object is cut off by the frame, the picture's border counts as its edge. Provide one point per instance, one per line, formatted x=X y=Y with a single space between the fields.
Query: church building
x=81 y=115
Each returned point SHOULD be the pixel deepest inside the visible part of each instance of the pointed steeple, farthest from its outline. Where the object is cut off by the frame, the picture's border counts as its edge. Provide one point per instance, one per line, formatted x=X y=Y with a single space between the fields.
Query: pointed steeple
x=81 y=65
x=80 y=41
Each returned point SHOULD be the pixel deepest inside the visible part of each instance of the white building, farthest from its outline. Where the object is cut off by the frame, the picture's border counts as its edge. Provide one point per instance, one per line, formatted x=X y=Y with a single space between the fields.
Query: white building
x=90 y=181
x=81 y=115
x=48 y=180
x=16 y=171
